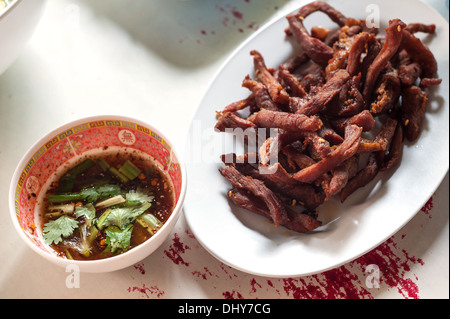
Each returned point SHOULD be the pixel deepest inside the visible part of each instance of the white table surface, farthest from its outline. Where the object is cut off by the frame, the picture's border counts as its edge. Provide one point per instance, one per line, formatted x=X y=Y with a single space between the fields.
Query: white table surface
x=154 y=60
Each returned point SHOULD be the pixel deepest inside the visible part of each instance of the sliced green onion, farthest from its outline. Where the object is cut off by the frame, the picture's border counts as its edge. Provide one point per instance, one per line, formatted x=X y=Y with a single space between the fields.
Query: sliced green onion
x=104 y=165
x=84 y=249
x=116 y=172
x=130 y=170
x=65 y=208
x=68 y=255
x=149 y=222
x=59 y=210
x=102 y=218
x=65 y=184
x=92 y=235
x=116 y=200
x=81 y=168
x=62 y=198
x=67 y=181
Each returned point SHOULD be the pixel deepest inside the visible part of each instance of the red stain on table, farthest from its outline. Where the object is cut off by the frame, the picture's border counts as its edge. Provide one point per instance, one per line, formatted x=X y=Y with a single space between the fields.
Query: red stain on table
x=175 y=251
x=254 y=285
x=228 y=271
x=233 y=16
x=205 y=273
x=427 y=207
x=229 y=18
x=237 y=14
x=140 y=268
x=147 y=291
x=232 y=295
x=190 y=235
x=344 y=283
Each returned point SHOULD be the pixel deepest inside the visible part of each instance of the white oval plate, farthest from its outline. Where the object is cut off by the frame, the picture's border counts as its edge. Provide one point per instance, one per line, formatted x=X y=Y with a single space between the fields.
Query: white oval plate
x=252 y=244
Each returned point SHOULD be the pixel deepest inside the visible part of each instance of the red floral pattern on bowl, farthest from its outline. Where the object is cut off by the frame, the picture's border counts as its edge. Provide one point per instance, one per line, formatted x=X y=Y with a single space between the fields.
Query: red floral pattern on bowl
x=71 y=142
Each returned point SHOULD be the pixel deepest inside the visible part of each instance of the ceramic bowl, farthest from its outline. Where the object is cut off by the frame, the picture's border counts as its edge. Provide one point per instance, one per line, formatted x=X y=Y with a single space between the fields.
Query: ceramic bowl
x=64 y=145
x=18 y=21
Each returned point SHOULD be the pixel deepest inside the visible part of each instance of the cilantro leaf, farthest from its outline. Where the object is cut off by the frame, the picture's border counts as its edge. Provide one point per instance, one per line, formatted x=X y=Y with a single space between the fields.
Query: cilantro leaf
x=90 y=194
x=108 y=190
x=118 y=239
x=122 y=216
x=54 y=230
x=87 y=211
x=138 y=196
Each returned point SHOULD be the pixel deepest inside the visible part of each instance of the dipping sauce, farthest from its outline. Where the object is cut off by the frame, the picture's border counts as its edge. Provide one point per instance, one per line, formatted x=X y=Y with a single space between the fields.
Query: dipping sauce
x=106 y=205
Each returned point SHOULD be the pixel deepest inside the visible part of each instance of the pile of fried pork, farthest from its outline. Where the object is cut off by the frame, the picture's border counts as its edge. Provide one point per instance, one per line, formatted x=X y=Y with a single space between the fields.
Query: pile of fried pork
x=343 y=107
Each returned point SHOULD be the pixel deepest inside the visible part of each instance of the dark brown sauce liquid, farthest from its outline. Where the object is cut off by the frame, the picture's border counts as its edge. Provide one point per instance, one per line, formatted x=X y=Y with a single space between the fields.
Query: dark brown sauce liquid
x=155 y=183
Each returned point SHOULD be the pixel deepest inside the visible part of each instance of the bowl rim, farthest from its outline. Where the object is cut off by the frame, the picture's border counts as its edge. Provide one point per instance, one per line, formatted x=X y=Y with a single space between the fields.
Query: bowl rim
x=90 y=264
x=9 y=8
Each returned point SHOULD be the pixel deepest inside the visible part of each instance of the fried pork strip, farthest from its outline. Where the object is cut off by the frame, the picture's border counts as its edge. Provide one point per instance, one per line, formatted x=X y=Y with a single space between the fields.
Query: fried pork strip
x=239 y=105
x=325 y=94
x=298 y=222
x=283 y=182
x=386 y=132
x=421 y=27
x=387 y=93
x=414 y=101
x=395 y=149
x=335 y=15
x=341 y=175
x=257 y=188
x=344 y=151
x=276 y=91
x=375 y=161
x=276 y=178
x=232 y=120
x=261 y=94
x=394 y=36
x=286 y=121
x=420 y=54
x=317 y=50
x=408 y=70
x=291 y=81
x=363 y=119
x=350 y=100
x=363 y=177
x=359 y=46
